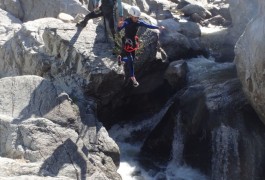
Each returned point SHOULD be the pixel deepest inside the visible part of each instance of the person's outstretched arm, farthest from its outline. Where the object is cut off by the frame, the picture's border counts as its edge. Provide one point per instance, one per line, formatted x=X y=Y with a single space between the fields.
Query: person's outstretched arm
x=150 y=26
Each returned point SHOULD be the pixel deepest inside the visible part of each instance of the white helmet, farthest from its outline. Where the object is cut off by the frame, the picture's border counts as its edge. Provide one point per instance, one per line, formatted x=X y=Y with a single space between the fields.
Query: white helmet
x=135 y=11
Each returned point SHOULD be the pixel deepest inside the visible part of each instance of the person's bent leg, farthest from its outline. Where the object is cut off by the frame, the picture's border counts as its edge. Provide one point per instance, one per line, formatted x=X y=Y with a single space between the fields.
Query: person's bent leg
x=92 y=15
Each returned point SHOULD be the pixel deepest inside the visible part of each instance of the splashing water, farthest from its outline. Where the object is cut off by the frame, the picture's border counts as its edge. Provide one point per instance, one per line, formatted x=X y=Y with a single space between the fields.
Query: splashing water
x=129 y=167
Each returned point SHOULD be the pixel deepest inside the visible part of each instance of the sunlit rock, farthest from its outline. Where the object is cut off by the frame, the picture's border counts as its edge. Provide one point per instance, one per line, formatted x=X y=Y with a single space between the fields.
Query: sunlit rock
x=250 y=62
x=49 y=135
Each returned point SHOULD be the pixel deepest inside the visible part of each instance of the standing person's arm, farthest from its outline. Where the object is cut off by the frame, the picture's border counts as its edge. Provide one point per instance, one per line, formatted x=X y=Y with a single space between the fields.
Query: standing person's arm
x=120 y=9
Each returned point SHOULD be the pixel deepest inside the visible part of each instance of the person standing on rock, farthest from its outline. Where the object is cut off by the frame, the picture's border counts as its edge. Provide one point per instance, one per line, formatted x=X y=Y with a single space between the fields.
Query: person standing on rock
x=107 y=9
x=130 y=40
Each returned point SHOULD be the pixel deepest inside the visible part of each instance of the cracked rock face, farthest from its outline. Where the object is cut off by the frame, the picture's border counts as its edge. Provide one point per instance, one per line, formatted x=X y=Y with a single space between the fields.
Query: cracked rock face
x=30 y=9
x=42 y=129
x=56 y=50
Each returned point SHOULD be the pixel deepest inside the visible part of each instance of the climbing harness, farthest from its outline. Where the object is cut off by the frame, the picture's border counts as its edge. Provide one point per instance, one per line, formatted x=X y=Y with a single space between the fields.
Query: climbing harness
x=129 y=45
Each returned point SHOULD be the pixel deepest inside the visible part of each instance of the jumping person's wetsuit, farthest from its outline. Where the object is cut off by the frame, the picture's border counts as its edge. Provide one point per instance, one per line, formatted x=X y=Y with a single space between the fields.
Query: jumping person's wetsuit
x=131 y=29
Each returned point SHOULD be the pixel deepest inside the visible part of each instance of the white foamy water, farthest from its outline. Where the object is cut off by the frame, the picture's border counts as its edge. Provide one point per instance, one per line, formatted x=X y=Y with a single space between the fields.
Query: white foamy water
x=129 y=167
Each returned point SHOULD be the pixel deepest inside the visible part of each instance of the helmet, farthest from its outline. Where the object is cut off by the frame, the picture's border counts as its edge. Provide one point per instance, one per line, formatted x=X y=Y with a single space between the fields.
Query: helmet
x=135 y=11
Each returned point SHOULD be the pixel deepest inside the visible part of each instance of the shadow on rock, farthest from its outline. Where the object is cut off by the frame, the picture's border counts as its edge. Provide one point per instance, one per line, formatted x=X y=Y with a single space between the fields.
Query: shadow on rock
x=65 y=154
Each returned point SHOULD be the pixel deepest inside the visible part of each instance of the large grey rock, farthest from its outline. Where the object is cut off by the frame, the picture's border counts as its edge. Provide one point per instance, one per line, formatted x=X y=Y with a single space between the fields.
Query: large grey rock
x=50 y=48
x=26 y=97
x=161 y=9
x=13 y=7
x=20 y=166
x=176 y=73
x=250 y=61
x=9 y=25
x=50 y=134
x=27 y=10
x=180 y=39
x=194 y=8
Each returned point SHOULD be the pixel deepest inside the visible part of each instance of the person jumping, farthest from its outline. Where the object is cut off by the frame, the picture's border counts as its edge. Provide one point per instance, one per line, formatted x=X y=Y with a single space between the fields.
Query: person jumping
x=130 y=40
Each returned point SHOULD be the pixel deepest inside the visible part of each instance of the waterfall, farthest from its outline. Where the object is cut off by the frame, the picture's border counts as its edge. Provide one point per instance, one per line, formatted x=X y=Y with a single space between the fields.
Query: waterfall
x=176 y=168
x=177 y=144
x=122 y=134
x=129 y=167
x=225 y=160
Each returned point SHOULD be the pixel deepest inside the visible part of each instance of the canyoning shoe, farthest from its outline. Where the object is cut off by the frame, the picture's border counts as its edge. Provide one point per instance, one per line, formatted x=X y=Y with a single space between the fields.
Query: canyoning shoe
x=81 y=24
x=135 y=83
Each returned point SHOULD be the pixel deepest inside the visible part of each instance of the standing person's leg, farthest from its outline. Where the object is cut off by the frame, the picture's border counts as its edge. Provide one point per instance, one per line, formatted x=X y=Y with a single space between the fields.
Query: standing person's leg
x=110 y=20
x=92 y=15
